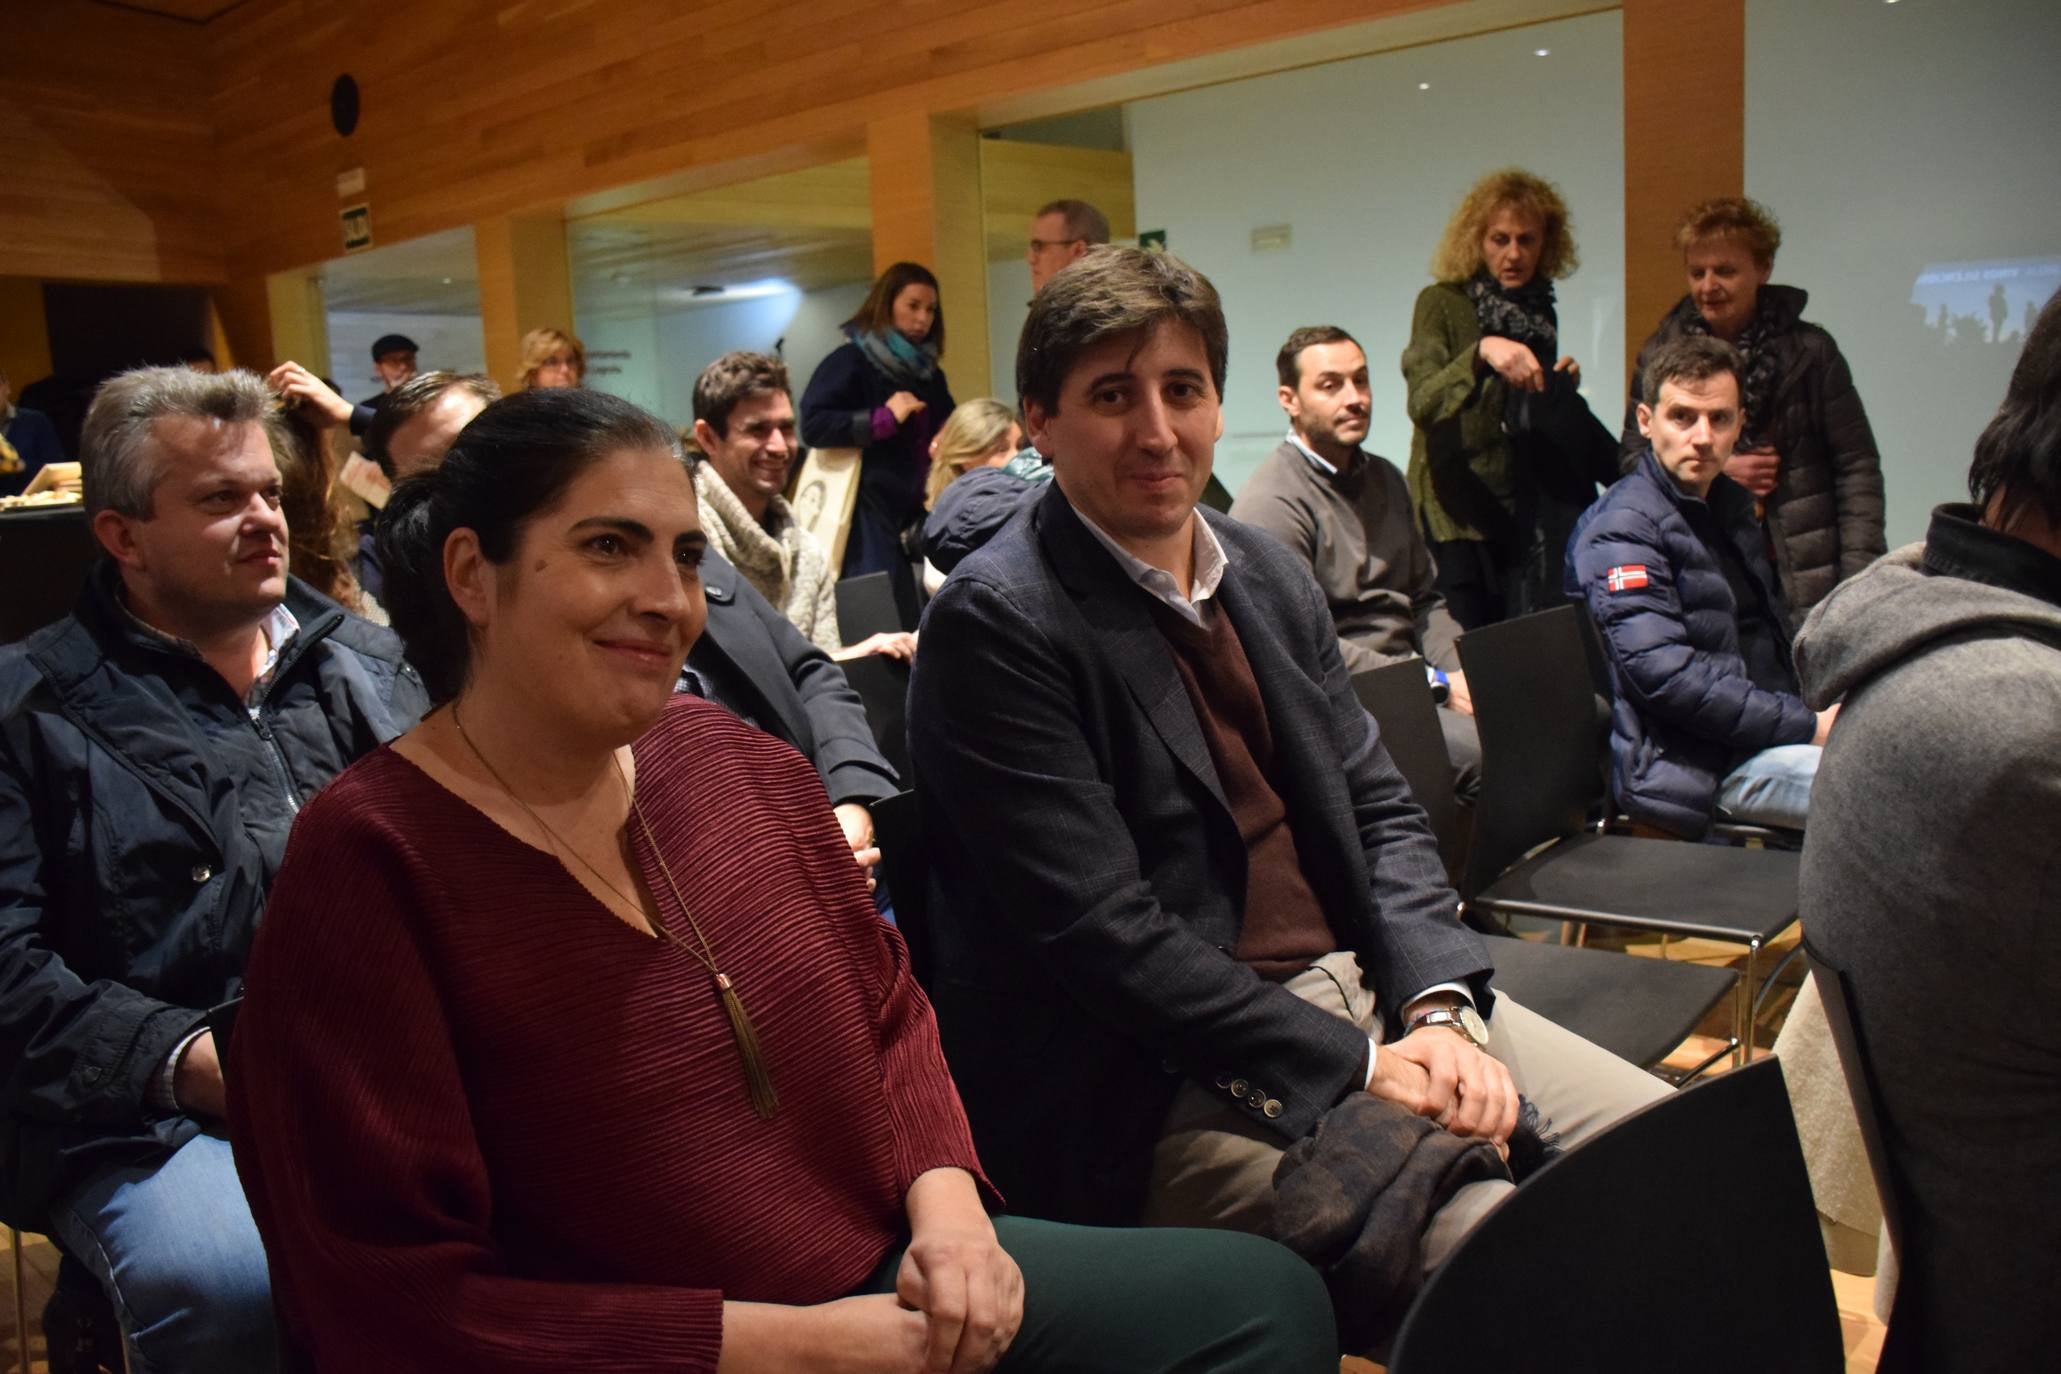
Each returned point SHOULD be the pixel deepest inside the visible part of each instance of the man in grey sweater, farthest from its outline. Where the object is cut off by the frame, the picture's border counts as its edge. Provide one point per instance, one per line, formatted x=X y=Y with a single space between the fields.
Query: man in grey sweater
x=1346 y=512
x=1931 y=881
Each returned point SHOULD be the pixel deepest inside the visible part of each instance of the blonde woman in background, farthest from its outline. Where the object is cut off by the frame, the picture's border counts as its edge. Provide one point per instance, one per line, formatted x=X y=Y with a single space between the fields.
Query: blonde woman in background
x=981 y=434
x=1492 y=399
x=552 y=359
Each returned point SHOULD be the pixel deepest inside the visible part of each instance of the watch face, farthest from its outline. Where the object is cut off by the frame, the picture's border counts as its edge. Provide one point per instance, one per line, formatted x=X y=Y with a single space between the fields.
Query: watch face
x=1471 y=1022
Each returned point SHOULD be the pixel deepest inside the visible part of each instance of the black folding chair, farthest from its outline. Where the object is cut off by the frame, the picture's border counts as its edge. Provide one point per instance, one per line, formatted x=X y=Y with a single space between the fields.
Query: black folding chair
x=1532 y=853
x=905 y=867
x=883 y=687
x=1901 y=1343
x=1399 y=699
x=866 y=605
x=45 y=557
x=1582 y=1267
x=1638 y=1009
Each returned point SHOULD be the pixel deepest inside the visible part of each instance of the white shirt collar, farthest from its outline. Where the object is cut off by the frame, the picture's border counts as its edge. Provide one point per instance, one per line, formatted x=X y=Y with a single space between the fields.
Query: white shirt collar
x=1210 y=562
x=1321 y=464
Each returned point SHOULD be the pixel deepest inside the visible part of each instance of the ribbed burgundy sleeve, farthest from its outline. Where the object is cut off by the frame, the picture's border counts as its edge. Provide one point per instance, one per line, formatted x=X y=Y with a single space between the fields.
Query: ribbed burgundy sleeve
x=353 y=1137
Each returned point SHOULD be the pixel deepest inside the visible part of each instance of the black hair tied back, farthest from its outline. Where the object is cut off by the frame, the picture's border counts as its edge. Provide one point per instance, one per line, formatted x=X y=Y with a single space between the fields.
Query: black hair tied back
x=513 y=461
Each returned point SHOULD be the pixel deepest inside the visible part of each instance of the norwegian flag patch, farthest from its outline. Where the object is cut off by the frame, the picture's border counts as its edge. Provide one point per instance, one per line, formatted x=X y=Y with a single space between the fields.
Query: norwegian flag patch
x=1626 y=577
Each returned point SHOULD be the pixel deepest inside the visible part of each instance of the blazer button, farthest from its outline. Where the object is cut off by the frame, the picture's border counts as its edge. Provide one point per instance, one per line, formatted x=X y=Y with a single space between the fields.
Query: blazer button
x=1273 y=1107
x=1223 y=1080
x=201 y=873
x=1256 y=1099
x=1238 y=1087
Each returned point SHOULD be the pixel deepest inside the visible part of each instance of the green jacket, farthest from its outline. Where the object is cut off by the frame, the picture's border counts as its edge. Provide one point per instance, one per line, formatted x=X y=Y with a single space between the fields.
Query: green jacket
x=1462 y=476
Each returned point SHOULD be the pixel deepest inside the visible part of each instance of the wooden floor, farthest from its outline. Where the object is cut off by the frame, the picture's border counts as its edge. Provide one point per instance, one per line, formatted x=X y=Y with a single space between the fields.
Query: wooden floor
x=1862 y=1332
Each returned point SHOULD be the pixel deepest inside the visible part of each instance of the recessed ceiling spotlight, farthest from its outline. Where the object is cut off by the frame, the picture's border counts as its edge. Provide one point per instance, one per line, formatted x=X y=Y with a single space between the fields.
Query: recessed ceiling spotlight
x=1423 y=85
x=1541 y=52
x=447 y=281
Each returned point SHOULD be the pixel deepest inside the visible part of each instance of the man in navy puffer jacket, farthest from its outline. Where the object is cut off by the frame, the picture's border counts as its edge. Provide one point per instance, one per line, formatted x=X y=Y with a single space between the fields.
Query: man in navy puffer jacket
x=1707 y=716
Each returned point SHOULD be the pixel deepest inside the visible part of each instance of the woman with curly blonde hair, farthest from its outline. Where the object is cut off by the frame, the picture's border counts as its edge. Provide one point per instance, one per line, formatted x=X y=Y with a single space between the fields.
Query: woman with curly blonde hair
x=1505 y=452
x=552 y=359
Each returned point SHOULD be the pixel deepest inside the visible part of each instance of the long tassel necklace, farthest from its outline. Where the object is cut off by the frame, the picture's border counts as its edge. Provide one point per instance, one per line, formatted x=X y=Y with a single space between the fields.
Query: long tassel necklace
x=764 y=1100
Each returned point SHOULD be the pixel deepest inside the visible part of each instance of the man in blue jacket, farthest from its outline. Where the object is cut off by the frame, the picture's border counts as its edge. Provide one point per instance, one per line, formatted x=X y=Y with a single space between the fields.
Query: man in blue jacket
x=154 y=748
x=1708 y=716
x=27 y=441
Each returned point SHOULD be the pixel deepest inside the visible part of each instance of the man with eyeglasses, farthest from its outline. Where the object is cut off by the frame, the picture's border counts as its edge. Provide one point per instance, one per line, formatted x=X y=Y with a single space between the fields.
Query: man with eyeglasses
x=1062 y=231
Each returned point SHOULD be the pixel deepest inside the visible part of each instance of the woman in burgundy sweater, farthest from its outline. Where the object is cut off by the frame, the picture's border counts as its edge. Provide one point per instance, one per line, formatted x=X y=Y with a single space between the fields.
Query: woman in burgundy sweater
x=572 y=1041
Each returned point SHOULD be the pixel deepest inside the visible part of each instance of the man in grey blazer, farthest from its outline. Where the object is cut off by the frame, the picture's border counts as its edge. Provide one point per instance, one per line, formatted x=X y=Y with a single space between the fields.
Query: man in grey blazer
x=1183 y=904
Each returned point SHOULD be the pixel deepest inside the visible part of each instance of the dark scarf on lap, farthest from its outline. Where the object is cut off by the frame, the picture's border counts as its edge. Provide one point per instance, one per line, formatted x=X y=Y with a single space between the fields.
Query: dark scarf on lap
x=905 y=364
x=1523 y=314
x=1757 y=345
x=1354 y=1196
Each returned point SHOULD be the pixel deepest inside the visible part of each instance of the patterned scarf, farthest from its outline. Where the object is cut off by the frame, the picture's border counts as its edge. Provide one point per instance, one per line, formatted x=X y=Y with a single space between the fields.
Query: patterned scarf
x=903 y=363
x=1523 y=314
x=1756 y=344
x=785 y=565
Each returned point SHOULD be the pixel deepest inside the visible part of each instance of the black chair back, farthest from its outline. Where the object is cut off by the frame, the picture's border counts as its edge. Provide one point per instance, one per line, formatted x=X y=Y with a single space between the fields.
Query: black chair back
x=883 y=687
x=45 y=557
x=866 y=606
x=905 y=867
x=1835 y=990
x=1399 y=699
x=1536 y=710
x=1683 y=1238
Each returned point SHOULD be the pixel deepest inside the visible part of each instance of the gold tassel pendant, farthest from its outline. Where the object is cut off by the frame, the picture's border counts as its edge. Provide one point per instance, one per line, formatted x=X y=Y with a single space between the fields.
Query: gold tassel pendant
x=764 y=1100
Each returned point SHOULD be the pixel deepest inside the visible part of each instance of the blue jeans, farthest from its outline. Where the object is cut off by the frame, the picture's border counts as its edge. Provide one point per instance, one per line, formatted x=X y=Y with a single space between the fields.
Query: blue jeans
x=177 y=1252
x=1773 y=788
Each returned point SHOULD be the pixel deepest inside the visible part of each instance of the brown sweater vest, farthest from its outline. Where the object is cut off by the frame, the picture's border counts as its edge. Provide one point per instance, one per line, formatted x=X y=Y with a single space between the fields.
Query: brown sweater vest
x=1284 y=930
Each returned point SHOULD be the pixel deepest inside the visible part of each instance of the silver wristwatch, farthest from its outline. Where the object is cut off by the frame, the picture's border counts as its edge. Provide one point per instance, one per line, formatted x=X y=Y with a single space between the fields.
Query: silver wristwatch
x=1463 y=1018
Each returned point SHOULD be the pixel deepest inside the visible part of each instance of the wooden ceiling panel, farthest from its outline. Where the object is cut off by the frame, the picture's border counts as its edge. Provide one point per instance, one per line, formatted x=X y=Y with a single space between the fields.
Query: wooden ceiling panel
x=190 y=11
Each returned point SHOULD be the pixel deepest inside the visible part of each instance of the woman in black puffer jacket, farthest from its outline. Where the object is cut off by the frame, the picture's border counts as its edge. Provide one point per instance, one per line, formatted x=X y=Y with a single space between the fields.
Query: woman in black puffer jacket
x=1807 y=453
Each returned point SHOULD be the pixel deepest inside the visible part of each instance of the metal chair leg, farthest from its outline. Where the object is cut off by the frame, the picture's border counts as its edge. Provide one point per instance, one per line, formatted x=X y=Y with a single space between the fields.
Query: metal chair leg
x=21 y=1306
x=1745 y=1004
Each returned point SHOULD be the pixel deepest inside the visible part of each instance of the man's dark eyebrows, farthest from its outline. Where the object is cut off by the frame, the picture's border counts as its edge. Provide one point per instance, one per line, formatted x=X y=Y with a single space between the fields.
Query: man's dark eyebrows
x=1110 y=377
x=696 y=540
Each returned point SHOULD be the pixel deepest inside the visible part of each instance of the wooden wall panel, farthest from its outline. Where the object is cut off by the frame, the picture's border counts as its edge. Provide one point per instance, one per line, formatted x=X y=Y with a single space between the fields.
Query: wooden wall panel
x=107 y=146
x=474 y=108
x=1684 y=139
x=525 y=283
x=926 y=196
x=24 y=333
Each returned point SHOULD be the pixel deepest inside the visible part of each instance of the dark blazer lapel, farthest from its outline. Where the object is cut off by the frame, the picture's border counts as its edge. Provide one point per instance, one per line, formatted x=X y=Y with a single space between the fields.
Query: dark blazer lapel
x=1119 y=621
x=1307 y=767
x=730 y=632
x=1297 y=710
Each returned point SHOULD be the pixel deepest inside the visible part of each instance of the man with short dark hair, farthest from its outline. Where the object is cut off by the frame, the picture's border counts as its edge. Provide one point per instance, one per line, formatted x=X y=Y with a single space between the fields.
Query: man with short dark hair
x=420 y=417
x=154 y=748
x=1707 y=718
x=1060 y=233
x=1930 y=881
x=1183 y=905
x=1346 y=513
x=744 y=429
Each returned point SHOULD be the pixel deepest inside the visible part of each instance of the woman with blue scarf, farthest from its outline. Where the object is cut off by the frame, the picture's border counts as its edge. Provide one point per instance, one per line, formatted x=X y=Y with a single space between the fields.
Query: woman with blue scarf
x=883 y=392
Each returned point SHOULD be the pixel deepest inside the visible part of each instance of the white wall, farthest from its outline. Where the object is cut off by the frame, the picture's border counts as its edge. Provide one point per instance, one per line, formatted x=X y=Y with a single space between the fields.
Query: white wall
x=1009 y=293
x=1365 y=168
x=653 y=358
x=453 y=342
x=1909 y=151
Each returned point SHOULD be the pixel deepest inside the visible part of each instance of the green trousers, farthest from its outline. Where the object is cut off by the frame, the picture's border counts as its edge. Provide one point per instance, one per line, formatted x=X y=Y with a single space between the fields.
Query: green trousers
x=1162 y=1300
